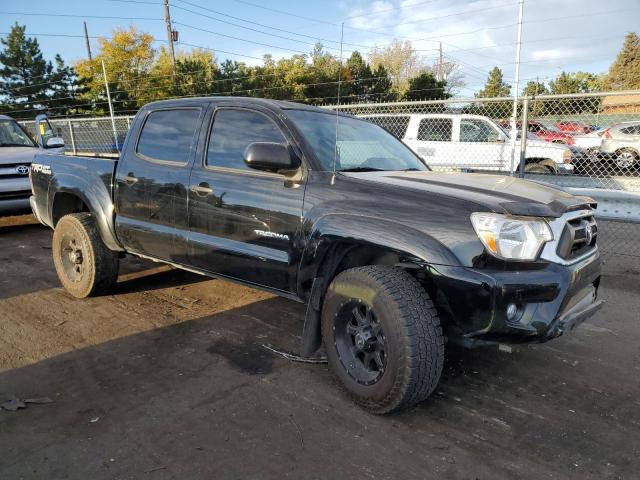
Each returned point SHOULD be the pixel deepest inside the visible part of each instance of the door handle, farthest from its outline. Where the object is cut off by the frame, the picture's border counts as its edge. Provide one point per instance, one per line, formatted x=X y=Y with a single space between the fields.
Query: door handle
x=202 y=190
x=129 y=179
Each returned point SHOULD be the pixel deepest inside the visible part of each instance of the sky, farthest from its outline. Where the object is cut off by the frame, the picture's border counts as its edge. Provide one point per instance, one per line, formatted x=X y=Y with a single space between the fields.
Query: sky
x=557 y=35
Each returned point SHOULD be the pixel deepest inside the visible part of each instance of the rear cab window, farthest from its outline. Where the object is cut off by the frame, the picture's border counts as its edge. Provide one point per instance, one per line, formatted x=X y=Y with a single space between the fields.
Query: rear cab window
x=168 y=135
x=435 y=129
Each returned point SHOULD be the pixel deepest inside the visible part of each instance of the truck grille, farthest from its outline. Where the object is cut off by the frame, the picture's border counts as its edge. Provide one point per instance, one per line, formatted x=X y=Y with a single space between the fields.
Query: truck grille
x=14 y=170
x=578 y=237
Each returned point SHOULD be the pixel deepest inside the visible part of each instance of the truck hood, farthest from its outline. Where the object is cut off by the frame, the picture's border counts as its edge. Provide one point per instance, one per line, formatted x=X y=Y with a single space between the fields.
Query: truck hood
x=499 y=193
x=10 y=155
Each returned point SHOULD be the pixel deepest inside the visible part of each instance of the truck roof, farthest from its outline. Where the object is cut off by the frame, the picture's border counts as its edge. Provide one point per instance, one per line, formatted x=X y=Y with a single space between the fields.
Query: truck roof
x=276 y=104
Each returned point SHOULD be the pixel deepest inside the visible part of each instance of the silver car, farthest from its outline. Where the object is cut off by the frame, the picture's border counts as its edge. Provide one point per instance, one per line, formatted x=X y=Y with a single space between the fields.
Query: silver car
x=17 y=150
x=621 y=142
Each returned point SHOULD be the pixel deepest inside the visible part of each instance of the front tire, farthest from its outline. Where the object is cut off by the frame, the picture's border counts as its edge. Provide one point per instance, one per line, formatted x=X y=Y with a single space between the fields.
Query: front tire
x=85 y=266
x=383 y=337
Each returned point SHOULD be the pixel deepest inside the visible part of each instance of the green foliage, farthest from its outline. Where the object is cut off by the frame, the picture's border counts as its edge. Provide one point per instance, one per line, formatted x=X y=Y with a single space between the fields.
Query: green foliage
x=624 y=74
x=426 y=87
x=570 y=83
x=495 y=86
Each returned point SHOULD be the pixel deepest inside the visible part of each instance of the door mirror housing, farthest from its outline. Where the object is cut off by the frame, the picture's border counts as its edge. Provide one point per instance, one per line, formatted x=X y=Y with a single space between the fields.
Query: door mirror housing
x=269 y=156
x=55 y=142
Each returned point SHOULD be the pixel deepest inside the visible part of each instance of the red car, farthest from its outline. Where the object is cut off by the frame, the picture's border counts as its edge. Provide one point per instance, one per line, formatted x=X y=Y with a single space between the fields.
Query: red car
x=546 y=133
x=574 y=128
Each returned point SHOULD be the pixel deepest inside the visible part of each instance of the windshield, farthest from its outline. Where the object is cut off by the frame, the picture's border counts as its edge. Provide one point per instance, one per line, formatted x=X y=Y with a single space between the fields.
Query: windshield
x=12 y=135
x=360 y=145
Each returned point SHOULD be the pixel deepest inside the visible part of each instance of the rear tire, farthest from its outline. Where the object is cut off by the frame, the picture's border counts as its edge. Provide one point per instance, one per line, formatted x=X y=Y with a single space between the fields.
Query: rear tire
x=85 y=266
x=383 y=337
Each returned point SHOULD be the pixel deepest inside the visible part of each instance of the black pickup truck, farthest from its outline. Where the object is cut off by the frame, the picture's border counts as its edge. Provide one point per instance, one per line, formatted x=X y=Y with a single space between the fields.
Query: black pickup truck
x=393 y=260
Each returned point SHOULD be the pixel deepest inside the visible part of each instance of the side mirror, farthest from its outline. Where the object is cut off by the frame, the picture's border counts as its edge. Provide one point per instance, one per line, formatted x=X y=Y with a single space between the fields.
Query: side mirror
x=270 y=156
x=55 y=142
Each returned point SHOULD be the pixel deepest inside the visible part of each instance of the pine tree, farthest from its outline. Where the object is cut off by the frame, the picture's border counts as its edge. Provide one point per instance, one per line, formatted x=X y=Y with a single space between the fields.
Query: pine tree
x=382 y=86
x=624 y=74
x=495 y=86
x=360 y=81
x=66 y=90
x=24 y=74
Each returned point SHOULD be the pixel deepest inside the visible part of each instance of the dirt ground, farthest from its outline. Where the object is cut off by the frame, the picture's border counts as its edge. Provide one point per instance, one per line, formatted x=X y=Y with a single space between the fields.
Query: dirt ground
x=169 y=379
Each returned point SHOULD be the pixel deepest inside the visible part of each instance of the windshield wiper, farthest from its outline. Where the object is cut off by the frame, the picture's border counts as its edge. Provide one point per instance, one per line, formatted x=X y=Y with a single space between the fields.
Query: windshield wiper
x=412 y=169
x=362 y=169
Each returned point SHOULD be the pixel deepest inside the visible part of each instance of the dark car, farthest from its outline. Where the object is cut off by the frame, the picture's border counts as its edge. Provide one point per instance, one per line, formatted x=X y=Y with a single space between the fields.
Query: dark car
x=392 y=260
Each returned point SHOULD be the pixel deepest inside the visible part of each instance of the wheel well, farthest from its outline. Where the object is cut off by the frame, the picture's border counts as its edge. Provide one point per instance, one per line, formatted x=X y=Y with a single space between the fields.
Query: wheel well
x=628 y=149
x=338 y=258
x=65 y=203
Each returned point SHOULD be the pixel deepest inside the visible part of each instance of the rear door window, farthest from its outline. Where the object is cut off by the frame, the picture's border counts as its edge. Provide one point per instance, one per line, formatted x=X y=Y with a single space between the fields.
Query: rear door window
x=395 y=125
x=168 y=135
x=435 y=129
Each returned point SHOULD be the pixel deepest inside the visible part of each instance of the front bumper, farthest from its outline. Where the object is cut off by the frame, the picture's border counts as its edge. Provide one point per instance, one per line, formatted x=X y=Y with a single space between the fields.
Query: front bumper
x=550 y=298
x=19 y=204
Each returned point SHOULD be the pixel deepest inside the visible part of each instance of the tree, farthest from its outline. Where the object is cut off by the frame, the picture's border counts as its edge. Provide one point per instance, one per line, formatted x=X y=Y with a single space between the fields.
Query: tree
x=66 y=90
x=624 y=74
x=401 y=60
x=495 y=86
x=24 y=74
x=360 y=79
x=426 y=87
x=382 y=86
x=129 y=57
x=533 y=89
x=579 y=82
x=569 y=83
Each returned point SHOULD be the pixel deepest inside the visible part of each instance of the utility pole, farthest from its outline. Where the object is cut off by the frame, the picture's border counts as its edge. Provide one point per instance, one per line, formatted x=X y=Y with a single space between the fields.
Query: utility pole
x=440 y=72
x=86 y=40
x=167 y=19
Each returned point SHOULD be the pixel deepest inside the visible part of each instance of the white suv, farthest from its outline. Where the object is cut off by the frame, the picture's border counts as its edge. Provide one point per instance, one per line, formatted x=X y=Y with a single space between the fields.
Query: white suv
x=470 y=142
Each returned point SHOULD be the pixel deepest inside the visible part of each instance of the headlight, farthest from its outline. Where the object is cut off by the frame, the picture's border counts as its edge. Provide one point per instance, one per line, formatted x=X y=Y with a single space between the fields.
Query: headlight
x=566 y=156
x=511 y=238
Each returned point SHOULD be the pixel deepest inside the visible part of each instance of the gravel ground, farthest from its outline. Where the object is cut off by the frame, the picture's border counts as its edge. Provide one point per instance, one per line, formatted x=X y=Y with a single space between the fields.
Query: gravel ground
x=169 y=379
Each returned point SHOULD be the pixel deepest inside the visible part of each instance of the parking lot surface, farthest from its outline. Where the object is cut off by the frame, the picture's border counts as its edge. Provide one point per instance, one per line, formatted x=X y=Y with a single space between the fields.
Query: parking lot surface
x=168 y=378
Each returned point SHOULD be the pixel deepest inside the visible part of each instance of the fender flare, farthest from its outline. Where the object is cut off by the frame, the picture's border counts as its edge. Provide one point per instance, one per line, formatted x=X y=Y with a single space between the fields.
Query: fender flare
x=97 y=199
x=318 y=266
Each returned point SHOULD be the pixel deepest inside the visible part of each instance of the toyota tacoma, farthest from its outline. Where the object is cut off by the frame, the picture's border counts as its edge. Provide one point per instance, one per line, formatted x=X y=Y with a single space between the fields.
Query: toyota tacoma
x=393 y=261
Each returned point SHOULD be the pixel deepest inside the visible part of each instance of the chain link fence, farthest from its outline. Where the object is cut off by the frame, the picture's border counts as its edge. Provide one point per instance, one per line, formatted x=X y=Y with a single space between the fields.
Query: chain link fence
x=590 y=141
x=89 y=136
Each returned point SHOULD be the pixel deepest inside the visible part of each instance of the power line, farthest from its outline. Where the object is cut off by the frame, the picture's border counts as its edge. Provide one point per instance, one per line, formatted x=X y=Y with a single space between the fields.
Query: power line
x=70 y=15
x=254 y=23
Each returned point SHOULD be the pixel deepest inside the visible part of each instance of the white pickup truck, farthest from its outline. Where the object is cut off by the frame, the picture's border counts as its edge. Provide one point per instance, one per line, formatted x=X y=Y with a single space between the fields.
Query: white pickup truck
x=471 y=142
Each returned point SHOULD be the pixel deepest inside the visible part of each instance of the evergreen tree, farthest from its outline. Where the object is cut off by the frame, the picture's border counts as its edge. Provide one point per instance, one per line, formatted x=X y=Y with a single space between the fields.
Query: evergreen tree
x=360 y=79
x=24 y=74
x=426 y=87
x=624 y=74
x=534 y=89
x=495 y=86
x=382 y=86
x=66 y=90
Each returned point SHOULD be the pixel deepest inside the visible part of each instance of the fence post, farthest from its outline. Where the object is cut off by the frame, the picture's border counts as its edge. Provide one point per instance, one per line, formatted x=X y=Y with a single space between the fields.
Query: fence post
x=72 y=135
x=524 y=129
x=128 y=123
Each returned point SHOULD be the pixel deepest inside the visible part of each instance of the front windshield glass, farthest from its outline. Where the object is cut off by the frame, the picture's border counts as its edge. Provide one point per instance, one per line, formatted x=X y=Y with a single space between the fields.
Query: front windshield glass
x=11 y=135
x=360 y=145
